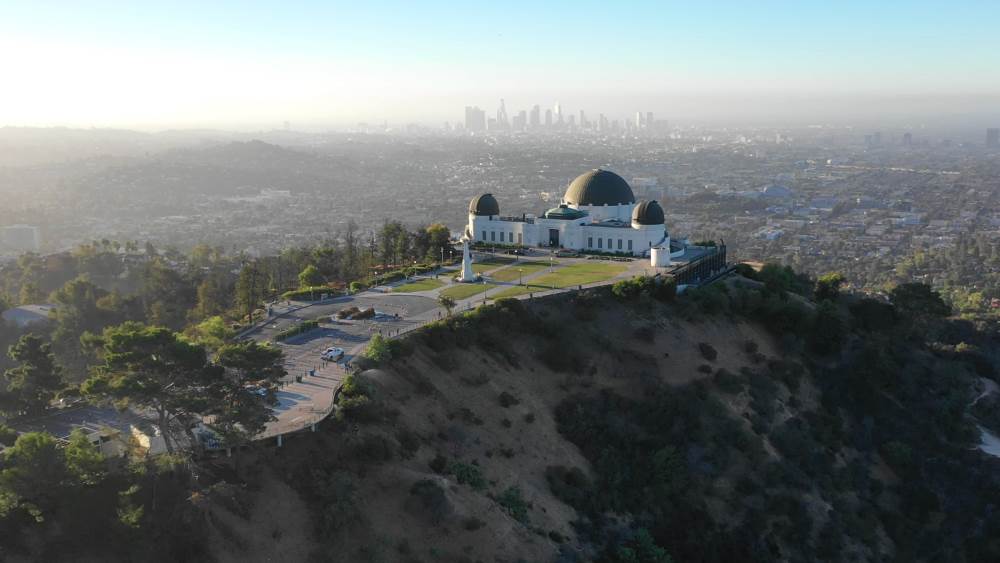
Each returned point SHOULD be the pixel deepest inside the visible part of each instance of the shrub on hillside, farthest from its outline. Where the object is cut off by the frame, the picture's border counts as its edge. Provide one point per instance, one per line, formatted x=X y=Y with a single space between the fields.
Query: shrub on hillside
x=661 y=288
x=569 y=484
x=829 y=329
x=336 y=493
x=439 y=464
x=514 y=504
x=7 y=435
x=430 y=499
x=378 y=349
x=356 y=400
x=507 y=400
x=746 y=270
x=707 y=351
x=728 y=382
x=783 y=278
x=468 y=474
x=872 y=315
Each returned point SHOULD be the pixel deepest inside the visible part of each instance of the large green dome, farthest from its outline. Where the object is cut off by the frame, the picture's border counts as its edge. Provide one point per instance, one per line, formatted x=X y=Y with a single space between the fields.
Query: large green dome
x=599 y=187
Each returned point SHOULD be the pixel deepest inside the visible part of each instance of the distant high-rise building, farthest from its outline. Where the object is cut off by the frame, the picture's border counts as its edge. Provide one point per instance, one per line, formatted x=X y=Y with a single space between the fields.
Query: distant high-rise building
x=649 y=120
x=638 y=120
x=583 y=120
x=520 y=121
x=535 y=120
x=993 y=137
x=557 y=114
x=502 y=121
x=548 y=119
x=475 y=119
x=877 y=138
x=602 y=123
x=907 y=139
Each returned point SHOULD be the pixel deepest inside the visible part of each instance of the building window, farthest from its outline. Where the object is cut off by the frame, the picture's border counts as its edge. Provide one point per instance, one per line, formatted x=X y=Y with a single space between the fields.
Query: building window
x=590 y=242
x=619 y=244
x=519 y=238
x=599 y=243
x=484 y=236
x=630 y=245
x=510 y=237
x=493 y=236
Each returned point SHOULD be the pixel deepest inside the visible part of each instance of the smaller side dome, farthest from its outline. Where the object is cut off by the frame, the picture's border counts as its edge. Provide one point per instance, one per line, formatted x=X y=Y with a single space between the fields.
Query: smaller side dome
x=648 y=213
x=484 y=204
x=564 y=212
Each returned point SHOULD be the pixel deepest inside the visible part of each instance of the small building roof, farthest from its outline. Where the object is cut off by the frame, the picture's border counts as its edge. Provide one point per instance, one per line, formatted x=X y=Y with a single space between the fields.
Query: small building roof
x=25 y=315
x=564 y=212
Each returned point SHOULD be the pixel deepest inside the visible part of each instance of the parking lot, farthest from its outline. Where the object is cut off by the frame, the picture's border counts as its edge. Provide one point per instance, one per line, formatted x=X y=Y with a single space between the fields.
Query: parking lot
x=307 y=393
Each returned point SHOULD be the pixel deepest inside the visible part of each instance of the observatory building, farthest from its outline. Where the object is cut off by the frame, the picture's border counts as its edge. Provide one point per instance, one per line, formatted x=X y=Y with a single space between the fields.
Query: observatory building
x=598 y=213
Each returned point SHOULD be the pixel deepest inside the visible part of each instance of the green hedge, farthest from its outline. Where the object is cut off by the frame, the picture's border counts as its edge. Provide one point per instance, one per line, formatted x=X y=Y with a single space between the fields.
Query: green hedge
x=304 y=326
x=397 y=275
x=308 y=293
x=663 y=289
x=480 y=245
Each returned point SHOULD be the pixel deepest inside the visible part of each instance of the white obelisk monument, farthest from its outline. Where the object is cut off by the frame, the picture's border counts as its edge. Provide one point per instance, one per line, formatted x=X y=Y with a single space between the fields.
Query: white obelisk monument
x=467 y=274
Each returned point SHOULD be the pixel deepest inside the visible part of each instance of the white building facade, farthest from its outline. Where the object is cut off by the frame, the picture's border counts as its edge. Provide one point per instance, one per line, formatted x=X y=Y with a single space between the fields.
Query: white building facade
x=598 y=213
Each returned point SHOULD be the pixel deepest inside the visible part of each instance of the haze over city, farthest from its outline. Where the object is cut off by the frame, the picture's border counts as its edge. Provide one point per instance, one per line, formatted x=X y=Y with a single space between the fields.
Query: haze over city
x=333 y=64
x=467 y=282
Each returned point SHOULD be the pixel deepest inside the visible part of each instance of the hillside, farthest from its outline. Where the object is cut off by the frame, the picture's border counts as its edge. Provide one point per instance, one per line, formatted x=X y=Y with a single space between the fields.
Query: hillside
x=585 y=428
x=752 y=420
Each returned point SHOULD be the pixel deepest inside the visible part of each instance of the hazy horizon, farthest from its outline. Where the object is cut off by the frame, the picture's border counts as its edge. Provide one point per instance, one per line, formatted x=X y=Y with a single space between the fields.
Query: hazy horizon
x=327 y=65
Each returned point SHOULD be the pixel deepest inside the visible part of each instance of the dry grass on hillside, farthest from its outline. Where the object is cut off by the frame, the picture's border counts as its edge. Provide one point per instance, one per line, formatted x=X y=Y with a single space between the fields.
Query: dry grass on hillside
x=477 y=409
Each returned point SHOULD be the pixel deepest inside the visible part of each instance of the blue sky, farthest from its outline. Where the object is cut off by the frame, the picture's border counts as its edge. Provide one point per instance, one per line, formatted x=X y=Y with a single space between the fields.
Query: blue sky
x=218 y=63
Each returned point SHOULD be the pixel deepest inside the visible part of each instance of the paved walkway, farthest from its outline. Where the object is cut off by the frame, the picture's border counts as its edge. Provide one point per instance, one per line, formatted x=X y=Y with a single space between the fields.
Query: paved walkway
x=306 y=402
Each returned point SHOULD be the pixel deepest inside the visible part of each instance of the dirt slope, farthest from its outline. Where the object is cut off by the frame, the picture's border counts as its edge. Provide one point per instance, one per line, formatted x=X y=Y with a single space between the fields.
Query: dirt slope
x=480 y=409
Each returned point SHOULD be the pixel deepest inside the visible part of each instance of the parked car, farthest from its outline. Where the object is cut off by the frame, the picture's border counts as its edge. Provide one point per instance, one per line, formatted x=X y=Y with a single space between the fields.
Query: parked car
x=255 y=389
x=332 y=354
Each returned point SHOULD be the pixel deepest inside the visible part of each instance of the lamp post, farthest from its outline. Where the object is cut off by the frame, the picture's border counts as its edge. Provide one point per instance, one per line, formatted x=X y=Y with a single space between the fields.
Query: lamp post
x=520 y=275
x=484 y=291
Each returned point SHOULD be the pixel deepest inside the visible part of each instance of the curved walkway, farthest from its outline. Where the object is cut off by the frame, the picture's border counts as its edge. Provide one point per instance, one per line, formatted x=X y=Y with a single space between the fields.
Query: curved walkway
x=307 y=396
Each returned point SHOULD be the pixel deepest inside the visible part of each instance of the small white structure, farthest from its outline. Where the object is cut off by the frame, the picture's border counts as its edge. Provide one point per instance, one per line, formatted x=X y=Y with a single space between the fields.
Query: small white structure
x=598 y=212
x=467 y=274
x=659 y=256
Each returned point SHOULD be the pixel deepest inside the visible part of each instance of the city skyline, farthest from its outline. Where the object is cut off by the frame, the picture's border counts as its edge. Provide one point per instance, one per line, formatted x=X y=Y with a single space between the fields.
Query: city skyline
x=334 y=64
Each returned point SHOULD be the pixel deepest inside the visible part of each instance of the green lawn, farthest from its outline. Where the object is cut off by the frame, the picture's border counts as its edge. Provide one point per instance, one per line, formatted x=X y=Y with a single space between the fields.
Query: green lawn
x=463 y=290
x=425 y=284
x=490 y=264
x=518 y=290
x=510 y=274
x=580 y=274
